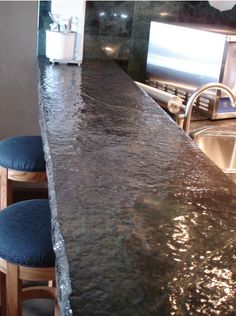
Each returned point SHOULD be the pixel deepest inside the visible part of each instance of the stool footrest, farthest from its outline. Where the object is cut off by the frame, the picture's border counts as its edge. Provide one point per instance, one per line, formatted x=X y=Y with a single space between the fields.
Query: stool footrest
x=23 y=176
x=35 y=292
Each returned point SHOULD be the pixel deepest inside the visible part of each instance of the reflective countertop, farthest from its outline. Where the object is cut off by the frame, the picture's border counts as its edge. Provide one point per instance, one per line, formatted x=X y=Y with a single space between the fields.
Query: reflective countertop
x=143 y=223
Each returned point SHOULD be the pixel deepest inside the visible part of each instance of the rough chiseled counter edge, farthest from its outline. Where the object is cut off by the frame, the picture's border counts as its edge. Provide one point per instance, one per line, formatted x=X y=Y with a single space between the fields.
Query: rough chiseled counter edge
x=62 y=268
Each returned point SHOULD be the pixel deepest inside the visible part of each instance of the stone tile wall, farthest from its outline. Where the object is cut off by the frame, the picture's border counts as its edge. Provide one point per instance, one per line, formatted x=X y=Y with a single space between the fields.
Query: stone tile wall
x=121 y=28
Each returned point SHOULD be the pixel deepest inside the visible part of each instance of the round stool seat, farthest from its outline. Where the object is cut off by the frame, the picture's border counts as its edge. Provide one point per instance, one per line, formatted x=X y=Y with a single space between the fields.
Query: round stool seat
x=22 y=153
x=25 y=234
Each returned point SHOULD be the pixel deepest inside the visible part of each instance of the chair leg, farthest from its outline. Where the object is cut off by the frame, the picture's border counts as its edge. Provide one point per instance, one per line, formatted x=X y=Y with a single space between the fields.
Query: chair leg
x=52 y=283
x=5 y=189
x=14 y=288
x=57 y=310
x=3 y=293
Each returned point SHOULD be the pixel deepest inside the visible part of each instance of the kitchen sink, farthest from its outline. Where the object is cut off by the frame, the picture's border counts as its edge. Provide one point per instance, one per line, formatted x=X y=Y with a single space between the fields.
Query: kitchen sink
x=219 y=145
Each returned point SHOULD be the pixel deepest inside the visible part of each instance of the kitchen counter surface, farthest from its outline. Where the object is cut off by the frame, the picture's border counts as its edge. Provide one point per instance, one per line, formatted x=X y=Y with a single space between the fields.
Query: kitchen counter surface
x=143 y=223
x=221 y=124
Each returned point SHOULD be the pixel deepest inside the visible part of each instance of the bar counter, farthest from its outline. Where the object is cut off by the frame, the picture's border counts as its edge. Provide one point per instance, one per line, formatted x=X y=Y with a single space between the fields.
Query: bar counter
x=143 y=223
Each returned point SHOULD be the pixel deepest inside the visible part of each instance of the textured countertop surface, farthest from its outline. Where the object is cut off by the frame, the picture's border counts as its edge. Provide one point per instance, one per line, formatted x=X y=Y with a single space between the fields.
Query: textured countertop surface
x=146 y=221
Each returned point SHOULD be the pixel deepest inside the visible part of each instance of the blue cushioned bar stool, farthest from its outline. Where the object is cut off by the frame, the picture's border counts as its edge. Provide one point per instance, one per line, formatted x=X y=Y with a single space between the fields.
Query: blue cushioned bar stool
x=21 y=159
x=26 y=253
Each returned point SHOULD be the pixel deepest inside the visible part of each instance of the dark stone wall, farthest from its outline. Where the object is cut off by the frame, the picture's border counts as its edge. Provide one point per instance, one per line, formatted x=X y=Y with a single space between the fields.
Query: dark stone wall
x=121 y=28
x=43 y=25
x=196 y=12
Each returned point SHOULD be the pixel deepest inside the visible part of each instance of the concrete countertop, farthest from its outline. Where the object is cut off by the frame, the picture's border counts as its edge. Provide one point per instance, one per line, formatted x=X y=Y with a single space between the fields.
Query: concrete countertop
x=143 y=223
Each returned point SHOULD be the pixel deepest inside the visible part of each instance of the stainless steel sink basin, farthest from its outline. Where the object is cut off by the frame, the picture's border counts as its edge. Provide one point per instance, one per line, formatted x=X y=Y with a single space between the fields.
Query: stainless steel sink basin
x=219 y=145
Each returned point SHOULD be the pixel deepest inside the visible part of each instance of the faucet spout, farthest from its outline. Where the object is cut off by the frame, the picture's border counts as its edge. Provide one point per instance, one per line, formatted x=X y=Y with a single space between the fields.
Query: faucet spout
x=194 y=96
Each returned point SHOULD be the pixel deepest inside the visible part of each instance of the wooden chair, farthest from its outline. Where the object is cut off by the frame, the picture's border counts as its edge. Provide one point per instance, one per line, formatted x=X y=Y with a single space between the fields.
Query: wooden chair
x=13 y=294
x=21 y=159
x=26 y=253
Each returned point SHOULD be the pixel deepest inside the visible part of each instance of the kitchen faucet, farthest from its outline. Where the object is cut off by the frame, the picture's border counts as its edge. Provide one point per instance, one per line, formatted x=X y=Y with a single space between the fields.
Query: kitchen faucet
x=194 y=96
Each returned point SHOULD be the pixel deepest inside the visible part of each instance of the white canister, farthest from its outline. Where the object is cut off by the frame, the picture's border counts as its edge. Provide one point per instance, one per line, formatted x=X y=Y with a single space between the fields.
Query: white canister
x=60 y=45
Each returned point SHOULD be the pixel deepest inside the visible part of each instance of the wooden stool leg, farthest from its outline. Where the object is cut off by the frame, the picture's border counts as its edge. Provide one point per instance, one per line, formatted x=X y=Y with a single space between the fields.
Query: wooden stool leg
x=14 y=288
x=57 y=310
x=5 y=189
x=52 y=283
x=3 y=293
